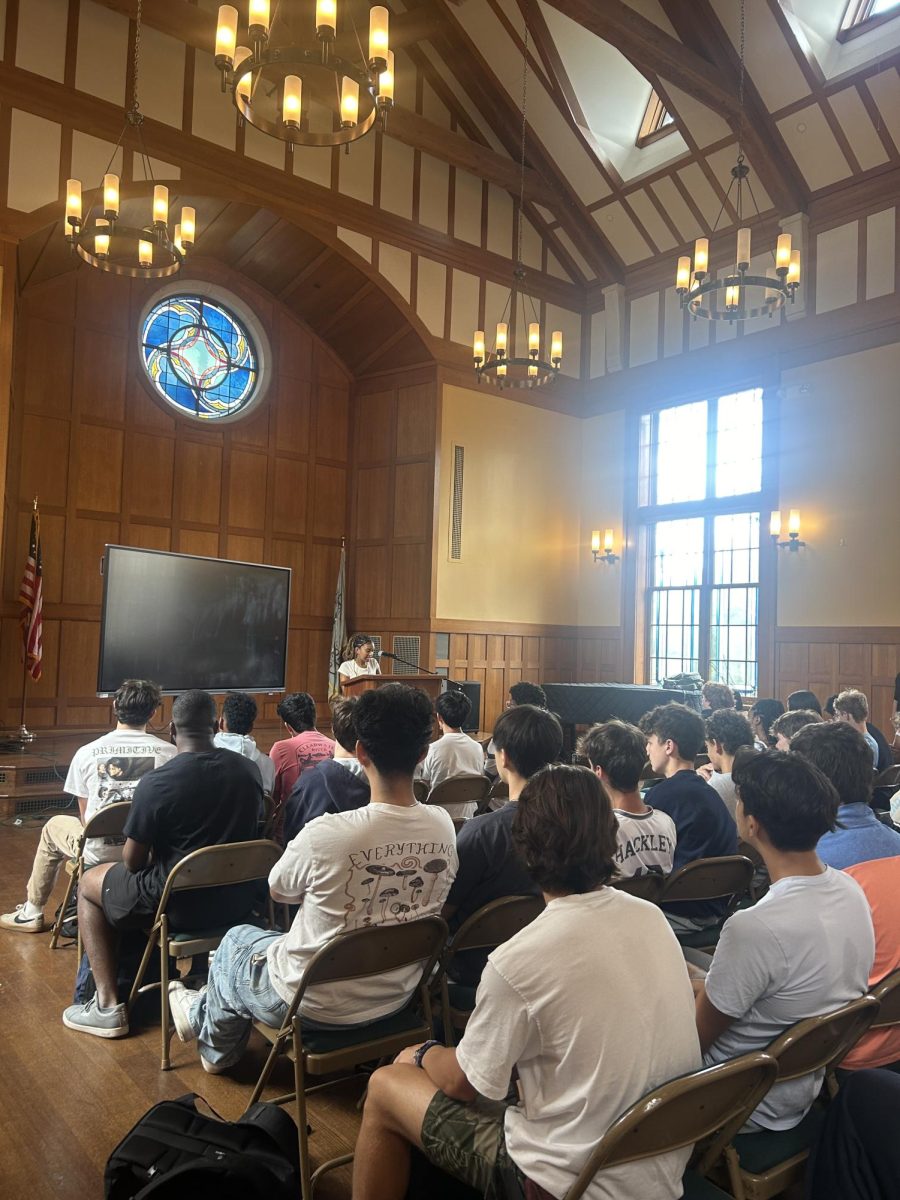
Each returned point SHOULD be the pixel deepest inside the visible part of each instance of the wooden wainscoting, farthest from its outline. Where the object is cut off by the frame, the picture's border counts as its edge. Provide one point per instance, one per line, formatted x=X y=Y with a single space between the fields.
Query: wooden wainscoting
x=827 y=660
x=500 y=655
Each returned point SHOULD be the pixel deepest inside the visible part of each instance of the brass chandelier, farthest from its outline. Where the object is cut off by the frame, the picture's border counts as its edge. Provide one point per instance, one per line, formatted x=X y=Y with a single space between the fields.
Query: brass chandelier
x=498 y=366
x=306 y=95
x=737 y=295
x=103 y=241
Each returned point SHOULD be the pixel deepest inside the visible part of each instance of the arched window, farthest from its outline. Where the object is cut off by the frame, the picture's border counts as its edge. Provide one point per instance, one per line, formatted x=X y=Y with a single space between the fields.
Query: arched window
x=200 y=356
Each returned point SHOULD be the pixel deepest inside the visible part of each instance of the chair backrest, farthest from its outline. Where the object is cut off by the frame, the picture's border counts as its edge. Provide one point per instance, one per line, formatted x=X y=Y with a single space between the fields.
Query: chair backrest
x=889 y=777
x=887 y=993
x=710 y=879
x=752 y=853
x=813 y=1044
x=421 y=788
x=219 y=866
x=108 y=822
x=645 y=887
x=499 y=790
x=496 y=923
x=682 y=1112
x=462 y=789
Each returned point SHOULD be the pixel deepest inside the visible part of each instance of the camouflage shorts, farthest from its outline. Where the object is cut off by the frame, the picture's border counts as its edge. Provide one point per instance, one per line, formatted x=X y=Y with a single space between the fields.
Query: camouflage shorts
x=468 y=1141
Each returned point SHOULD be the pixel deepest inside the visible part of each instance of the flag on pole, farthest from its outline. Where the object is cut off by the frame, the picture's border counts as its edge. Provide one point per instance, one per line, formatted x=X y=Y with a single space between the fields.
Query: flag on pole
x=338 y=631
x=31 y=597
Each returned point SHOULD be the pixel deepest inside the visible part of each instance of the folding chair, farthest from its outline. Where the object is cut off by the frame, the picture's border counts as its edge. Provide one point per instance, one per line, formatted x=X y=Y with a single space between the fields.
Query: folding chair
x=485 y=929
x=709 y=879
x=109 y=822
x=497 y=796
x=759 y=884
x=421 y=788
x=645 y=887
x=354 y=955
x=711 y=1102
x=887 y=993
x=210 y=867
x=766 y=1163
x=462 y=789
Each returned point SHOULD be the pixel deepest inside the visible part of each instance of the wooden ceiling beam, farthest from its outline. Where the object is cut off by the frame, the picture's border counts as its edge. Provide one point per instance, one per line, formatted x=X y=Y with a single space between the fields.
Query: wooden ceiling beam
x=308 y=204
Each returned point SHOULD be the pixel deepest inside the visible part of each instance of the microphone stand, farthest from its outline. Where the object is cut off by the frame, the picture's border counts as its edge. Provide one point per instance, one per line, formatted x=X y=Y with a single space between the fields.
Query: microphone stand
x=421 y=670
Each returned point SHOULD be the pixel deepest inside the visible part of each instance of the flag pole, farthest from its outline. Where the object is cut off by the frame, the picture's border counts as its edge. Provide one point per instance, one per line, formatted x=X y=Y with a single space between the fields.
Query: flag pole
x=24 y=735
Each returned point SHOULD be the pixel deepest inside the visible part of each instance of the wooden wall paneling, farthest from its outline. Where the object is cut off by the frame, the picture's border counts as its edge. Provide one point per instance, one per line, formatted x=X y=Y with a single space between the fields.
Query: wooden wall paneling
x=330 y=502
x=150 y=464
x=79 y=647
x=292 y=406
x=49 y=351
x=44 y=458
x=410 y=579
x=247 y=489
x=198 y=541
x=291 y=477
x=854 y=663
x=149 y=537
x=85 y=540
x=291 y=553
x=415 y=421
x=98 y=388
x=332 y=422
x=372 y=427
x=368 y=587
x=323 y=560
x=199 y=472
x=372 y=503
x=99 y=453
x=242 y=548
x=413 y=484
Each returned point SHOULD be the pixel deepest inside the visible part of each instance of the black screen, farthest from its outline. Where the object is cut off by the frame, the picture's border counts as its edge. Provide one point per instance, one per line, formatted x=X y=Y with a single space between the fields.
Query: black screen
x=188 y=622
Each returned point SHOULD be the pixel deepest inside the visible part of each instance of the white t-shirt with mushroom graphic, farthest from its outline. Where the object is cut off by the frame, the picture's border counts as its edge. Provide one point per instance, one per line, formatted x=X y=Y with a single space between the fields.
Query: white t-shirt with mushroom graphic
x=378 y=865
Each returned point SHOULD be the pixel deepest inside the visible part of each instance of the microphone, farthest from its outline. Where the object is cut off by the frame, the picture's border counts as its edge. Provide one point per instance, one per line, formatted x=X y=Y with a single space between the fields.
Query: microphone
x=382 y=654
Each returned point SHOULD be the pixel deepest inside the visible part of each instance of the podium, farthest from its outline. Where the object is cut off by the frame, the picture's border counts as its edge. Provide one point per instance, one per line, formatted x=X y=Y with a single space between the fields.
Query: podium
x=431 y=685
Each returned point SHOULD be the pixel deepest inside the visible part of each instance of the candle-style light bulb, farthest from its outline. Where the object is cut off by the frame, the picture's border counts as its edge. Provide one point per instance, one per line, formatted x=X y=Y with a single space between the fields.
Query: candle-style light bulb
x=478 y=347
x=349 y=102
x=259 y=18
x=502 y=336
x=160 y=204
x=501 y=371
x=701 y=256
x=775 y=524
x=245 y=82
x=556 y=347
x=101 y=240
x=188 y=225
x=145 y=253
x=226 y=35
x=176 y=240
x=608 y=541
x=73 y=201
x=534 y=339
x=794 y=522
x=386 y=83
x=378 y=38
x=732 y=296
x=683 y=274
x=595 y=541
x=291 y=102
x=793 y=275
x=326 y=19
x=111 y=195
x=783 y=252
x=743 y=248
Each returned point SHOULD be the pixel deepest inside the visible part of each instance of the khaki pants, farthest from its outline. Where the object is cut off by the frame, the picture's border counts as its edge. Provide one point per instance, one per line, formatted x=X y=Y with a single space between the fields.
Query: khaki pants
x=59 y=841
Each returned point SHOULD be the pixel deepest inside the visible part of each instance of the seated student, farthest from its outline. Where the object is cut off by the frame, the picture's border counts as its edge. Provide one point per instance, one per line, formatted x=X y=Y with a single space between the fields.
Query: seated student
x=298 y=753
x=527 y=740
x=391 y=861
x=704 y=828
x=879 y=878
x=454 y=752
x=125 y=755
x=726 y=734
x=885 y=758
x=204 y=796
x=559 y=1020
x=840 y=753
x=235 y=727
x=805 y=949
x=791 y=722
x=333 y=785
x=522 y=692
x=715 y=696
x=359 y=656
x=645 y=840
x=762 y=715
x=804 y=700
x=851 y=708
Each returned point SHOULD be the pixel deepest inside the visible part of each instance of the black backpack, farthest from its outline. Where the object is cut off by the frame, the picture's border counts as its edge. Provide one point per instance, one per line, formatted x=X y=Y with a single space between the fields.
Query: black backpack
x=174 y=1151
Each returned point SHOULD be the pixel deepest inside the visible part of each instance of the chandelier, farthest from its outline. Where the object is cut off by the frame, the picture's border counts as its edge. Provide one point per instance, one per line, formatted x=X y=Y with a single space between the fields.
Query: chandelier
x=103 y=241
x=498 y=366
x=306 y=96
x=737 y=295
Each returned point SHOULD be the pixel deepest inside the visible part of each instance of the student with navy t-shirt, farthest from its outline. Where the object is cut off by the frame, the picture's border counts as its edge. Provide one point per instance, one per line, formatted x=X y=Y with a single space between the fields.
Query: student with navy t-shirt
x=703 y=826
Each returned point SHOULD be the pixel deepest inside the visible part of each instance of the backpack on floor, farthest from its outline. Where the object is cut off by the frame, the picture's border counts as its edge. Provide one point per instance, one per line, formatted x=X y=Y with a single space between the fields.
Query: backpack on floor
x=69 y=927
x=174 y=1151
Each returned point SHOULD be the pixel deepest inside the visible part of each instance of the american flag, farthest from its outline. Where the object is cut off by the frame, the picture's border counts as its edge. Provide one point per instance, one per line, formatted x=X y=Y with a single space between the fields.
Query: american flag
x=31 y=597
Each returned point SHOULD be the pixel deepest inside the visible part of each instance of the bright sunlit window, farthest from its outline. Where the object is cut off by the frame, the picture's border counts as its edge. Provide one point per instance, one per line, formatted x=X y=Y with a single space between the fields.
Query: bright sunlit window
x=699 y=486
x=862 y=15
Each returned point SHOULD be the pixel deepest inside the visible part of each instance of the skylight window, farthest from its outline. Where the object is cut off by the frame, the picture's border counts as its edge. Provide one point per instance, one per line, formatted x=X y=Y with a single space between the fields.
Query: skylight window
x=657 y=122
x=863 y=15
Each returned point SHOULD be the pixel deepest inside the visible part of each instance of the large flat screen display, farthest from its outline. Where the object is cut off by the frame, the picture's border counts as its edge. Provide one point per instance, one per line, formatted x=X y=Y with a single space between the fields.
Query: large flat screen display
x=188 y=622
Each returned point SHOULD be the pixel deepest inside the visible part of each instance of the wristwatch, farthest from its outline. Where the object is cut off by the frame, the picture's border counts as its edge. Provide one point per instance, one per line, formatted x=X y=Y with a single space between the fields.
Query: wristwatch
x=423 y=1050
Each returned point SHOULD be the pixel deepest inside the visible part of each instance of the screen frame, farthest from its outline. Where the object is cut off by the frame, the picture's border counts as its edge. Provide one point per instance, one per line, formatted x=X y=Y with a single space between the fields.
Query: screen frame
x=104 y=571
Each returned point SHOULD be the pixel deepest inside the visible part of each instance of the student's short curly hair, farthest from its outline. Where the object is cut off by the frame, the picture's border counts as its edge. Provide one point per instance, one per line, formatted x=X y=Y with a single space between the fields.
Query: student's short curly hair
x=853 y=703
x=619 y=749
x=528 y=693
x=135 y=701
x=239 y=711
x=794 y=720
x=793 y=801
x=343 y=723
x=730 y=729
x=717 y=696
x=564 y=830
x=394 y=724
x=677 y=723
x=454 y=708
x=298 y=710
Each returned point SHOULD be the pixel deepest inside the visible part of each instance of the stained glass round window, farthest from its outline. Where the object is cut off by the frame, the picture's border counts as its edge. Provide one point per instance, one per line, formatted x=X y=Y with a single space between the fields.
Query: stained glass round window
x=200 y=356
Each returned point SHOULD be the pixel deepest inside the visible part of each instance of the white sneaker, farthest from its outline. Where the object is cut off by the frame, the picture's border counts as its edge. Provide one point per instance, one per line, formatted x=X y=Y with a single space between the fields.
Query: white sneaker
x=101 y=1022
x=212 y=1068
x=22 y=924
x=181 y=1001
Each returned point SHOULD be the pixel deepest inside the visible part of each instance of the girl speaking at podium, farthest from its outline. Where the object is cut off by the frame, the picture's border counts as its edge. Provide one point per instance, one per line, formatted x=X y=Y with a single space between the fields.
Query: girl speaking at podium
x=359 y=654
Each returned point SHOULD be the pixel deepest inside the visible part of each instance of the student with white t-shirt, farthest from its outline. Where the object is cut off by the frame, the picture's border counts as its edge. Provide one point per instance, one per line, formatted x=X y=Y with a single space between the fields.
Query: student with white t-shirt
x=645 y=840
x=727 y=732
x=391 y=861
x=803 y=950
x=586 y=1034
x=454 y=752
x=360 y=658
x=103 y=772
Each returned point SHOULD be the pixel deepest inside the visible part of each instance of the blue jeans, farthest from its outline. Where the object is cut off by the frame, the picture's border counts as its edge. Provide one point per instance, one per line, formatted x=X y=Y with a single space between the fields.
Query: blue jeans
x=239 y=992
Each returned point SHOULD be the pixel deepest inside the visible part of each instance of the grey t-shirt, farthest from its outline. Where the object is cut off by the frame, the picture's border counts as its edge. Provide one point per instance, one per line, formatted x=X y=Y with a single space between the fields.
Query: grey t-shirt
x=722 y=782
x=805 y=949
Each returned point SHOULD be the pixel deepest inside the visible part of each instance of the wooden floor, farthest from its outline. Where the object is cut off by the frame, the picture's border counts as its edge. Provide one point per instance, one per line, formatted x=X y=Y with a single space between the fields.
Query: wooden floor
x=66 y=1099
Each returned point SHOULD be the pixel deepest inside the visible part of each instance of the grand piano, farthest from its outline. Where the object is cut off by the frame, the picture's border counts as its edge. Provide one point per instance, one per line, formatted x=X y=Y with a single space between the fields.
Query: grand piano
x=589 y=703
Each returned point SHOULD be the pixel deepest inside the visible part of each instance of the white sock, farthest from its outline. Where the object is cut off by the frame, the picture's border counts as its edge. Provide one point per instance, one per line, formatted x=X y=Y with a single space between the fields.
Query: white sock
x=32 y=910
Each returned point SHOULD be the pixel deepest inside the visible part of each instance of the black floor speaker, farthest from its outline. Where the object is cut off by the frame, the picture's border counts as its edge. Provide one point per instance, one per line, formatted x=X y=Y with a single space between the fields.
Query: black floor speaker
x=472 y=688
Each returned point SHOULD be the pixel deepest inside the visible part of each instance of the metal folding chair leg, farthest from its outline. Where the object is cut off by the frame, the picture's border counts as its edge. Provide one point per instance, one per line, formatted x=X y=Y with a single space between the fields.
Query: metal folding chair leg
x=165 y=1031
x=72 y=870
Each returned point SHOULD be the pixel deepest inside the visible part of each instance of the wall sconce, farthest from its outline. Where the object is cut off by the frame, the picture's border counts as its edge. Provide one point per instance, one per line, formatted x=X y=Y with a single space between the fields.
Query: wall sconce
x=606 y=554
x=793 y=543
